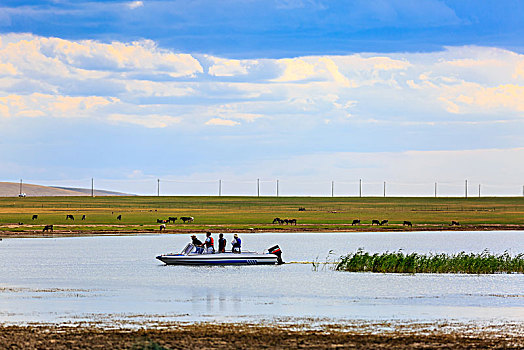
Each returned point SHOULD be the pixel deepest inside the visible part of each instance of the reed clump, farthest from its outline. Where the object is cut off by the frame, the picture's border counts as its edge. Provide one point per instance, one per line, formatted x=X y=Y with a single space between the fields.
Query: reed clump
x=398 y=262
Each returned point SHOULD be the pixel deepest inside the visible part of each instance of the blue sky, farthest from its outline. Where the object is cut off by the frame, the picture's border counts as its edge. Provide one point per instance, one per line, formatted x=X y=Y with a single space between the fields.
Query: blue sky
x=309 y=92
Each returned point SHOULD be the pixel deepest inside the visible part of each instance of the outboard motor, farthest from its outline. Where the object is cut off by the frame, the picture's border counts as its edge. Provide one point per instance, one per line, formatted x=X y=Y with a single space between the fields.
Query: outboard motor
x=276 y=250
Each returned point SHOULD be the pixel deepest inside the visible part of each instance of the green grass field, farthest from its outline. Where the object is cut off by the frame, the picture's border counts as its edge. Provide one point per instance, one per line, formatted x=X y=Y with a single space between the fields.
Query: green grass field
x=257 y=212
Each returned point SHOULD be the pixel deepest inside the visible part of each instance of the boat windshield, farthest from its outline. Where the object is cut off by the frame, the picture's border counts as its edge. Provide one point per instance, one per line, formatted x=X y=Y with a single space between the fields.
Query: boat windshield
x=188 y=249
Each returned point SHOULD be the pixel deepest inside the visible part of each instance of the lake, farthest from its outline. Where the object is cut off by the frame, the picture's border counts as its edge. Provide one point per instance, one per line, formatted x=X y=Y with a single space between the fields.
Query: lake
x=117 y=279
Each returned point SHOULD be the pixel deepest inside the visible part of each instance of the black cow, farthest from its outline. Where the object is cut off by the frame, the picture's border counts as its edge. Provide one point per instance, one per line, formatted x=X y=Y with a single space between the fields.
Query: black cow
x=48 y=228
x=407 y=223
x=384 y=222
x=69 y=216
x=373 y=222
x=187 y=218
x=454 y=223
x=160 y=221
x=83 y=217
x=355 y=222
x=35 y=217
x=278 y=221
x=292 y=221
x=171 y=219
x=119 y=217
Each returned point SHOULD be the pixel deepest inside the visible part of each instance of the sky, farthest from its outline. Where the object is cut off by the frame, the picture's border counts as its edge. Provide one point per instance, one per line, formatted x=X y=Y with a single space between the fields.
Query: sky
x=315 y=94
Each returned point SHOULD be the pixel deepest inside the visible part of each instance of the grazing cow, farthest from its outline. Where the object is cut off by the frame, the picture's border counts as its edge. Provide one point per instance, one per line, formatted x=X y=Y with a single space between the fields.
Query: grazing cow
x=34 y=217
x=83 y=217
x=301 y=209
x=407 y=223
x=69 y=216
x=373 y=222
x=187 y=218
x=161 y=221
x=355 y=222
x=454 y=223
x=162 y=227
x=384 y=222
x=277 y=221
x=292 y=221
x=171 y=219
x=119 y=217
x=48 y=228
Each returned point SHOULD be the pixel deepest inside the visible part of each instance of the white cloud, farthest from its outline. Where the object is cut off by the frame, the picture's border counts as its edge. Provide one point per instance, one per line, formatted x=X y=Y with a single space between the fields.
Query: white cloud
x=151 y=121
x=221 y=122
x=52 y=106
x=64 y=78
x=227 y=67
x=135 y=4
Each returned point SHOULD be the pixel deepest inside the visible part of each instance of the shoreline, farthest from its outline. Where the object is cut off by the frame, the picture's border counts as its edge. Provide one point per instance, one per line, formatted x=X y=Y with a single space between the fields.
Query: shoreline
x=257 y=336
x=10 y=231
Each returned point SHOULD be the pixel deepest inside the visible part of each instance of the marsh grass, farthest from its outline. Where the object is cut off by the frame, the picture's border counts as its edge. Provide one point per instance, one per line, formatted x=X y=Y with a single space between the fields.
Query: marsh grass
x=328 y=262
x=398 y=262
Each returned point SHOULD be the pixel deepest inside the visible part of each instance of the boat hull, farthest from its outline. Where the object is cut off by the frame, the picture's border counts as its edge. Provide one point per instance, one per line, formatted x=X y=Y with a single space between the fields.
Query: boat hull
x=219 y=259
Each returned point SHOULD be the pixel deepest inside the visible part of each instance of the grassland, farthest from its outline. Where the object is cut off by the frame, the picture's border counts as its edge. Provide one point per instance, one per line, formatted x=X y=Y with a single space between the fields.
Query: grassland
x=139 y=214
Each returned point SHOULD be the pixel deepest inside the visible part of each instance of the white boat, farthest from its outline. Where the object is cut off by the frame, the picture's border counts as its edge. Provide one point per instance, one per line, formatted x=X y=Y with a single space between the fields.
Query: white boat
x=189 y=256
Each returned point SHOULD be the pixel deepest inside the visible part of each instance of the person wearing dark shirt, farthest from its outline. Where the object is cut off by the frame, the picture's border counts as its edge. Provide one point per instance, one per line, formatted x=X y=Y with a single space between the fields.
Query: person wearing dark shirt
x=198 y=244
x=221 y=243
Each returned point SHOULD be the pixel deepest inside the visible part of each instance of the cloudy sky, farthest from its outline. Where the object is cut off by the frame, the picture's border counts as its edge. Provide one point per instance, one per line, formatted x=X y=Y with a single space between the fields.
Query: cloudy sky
x=410 y=92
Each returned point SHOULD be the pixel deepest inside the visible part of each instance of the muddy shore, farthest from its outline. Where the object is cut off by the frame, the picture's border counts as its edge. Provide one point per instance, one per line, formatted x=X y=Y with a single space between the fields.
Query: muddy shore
x=245 y=336
x=76 y=230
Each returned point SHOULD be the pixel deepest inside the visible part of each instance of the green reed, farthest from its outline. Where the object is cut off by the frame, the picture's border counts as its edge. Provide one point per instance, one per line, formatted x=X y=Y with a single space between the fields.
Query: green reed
x=398 y=262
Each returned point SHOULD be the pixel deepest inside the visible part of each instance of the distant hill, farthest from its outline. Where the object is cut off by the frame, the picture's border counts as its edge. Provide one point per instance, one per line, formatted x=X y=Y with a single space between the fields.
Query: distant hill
x=12 y=189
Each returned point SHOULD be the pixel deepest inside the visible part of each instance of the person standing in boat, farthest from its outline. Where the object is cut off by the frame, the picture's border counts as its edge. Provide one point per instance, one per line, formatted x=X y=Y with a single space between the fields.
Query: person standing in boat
x=221 y=243
x=237 y=243
x=197 y=243
x=209 y=244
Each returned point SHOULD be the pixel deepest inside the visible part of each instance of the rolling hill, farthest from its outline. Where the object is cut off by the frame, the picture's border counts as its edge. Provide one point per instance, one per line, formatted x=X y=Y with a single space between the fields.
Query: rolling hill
x=12 y=189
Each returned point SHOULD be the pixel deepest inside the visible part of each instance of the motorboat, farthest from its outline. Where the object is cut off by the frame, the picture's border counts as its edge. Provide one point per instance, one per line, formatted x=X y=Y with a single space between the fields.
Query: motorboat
x=191 y=255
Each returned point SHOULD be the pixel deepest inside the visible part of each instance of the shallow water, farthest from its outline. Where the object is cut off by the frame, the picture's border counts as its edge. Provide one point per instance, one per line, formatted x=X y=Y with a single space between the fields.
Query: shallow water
x=93 y=278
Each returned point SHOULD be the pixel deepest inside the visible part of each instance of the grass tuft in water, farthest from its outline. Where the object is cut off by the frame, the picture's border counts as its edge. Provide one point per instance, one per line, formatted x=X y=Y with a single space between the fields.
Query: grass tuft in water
x=398 y=262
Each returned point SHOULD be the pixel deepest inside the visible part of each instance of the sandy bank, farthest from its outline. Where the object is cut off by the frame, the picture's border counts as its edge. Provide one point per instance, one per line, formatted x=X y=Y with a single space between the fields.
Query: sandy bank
x=242 y=336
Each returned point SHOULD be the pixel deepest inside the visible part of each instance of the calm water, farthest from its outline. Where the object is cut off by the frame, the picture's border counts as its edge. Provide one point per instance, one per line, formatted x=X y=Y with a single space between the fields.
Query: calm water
x=118 y=277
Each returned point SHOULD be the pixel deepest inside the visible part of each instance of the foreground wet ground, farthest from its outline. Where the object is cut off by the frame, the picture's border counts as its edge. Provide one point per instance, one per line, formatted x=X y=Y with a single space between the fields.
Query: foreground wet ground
x=248 y=336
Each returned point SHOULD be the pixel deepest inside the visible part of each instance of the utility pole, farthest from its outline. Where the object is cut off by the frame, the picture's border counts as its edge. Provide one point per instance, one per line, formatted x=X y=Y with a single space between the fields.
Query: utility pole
x=258 y=187
x=435 y=190
x=332 y=188
x=219 y=188
x=479 y=190
x=384 y=189
x=20 y=187
x=466 y=190
x=277 y=187
x=92 y=187
x=360 y=188
x=158 y=187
